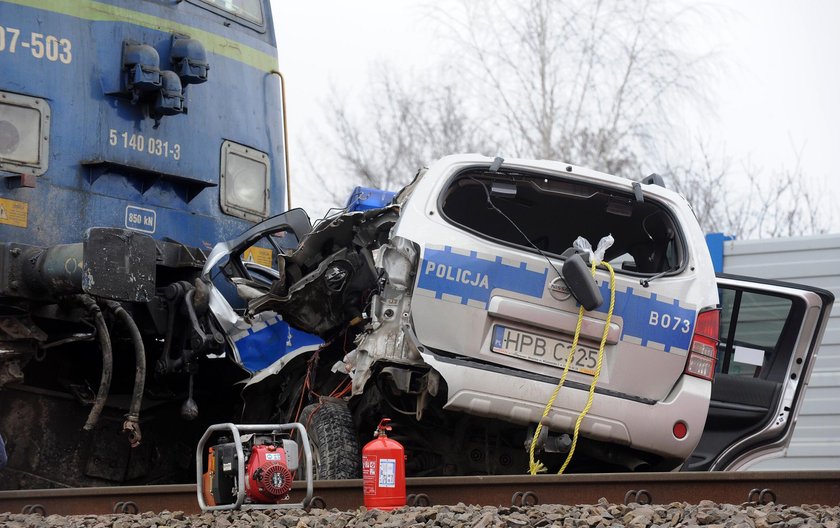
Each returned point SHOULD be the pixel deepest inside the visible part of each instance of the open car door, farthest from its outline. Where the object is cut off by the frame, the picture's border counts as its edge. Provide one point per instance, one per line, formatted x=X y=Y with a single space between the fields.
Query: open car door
x=769 y=335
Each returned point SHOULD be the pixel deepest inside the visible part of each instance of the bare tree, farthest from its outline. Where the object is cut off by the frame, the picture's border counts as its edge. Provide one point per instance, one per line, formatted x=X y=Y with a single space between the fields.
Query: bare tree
x=591 y=82
x=749 y=201
x=702 y=179
x=597 y=83
x=401 y=127
x=779 y=203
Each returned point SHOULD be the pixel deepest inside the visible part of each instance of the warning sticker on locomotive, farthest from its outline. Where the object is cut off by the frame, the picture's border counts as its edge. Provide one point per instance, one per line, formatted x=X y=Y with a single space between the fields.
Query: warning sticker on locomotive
x=387 y=473
x=14 y=213
x=258 y=255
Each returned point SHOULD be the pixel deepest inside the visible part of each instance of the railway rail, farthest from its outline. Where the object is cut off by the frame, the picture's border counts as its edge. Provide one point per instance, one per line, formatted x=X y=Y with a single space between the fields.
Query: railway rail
x=792 y=488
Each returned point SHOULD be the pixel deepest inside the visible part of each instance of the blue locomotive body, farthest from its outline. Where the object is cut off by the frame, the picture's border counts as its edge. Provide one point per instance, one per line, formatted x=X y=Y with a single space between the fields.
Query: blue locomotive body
x=105 y=161
x=134 y=135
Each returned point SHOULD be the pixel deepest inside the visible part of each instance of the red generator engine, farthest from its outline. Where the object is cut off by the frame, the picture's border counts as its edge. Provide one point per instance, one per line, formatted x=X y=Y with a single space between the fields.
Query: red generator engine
x=250 y=470
x=268 y=477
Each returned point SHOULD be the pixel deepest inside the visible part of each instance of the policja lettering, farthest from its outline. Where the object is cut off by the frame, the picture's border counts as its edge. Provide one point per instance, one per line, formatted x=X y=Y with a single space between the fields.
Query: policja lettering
x=464 y=276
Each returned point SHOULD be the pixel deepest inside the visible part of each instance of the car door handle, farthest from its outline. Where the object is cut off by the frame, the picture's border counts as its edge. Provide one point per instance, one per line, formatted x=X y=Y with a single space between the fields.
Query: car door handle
x=552 y=319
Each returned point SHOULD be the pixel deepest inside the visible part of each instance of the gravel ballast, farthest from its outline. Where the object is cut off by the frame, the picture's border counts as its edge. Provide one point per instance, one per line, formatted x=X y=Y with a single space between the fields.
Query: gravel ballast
x=601 y=515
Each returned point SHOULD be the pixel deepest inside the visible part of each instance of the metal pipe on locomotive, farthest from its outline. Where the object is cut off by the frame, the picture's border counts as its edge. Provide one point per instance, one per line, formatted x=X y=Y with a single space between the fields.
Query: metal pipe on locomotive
x=133 y=136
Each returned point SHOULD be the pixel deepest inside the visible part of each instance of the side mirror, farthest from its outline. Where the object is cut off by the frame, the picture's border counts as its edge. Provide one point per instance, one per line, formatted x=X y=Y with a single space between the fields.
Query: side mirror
x=581 y=283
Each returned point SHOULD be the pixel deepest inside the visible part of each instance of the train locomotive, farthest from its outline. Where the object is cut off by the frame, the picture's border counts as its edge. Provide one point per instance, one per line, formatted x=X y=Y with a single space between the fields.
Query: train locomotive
x=134 y=135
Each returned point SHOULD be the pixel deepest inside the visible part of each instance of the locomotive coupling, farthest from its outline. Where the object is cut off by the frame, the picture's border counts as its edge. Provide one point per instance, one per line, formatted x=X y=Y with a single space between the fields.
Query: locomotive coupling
x=110 y=263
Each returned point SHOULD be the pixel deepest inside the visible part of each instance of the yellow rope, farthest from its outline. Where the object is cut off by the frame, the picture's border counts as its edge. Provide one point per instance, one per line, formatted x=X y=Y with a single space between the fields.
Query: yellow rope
x=535 y=466
x=597 y=368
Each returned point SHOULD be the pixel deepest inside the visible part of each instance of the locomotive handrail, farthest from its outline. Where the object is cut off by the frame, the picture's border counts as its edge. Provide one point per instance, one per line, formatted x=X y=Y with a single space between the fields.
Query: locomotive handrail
x=285 y=137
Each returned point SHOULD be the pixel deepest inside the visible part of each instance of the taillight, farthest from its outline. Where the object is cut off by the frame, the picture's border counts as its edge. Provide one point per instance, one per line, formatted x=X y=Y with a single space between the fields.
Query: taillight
x=703 y=351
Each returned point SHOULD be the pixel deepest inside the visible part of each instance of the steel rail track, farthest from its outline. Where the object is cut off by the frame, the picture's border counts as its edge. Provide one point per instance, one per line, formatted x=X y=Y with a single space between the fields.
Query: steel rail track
x=792 y=488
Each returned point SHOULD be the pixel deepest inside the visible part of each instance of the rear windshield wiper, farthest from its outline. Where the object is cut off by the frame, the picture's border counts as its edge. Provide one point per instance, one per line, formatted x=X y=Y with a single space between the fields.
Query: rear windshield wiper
x=646 y=281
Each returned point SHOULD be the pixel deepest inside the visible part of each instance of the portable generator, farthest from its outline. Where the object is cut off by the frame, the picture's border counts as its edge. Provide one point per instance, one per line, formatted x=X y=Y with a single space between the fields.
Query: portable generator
x=251 y=466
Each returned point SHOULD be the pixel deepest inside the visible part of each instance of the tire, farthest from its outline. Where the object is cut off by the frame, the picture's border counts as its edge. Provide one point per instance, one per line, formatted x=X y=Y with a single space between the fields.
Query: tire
x=335 y=448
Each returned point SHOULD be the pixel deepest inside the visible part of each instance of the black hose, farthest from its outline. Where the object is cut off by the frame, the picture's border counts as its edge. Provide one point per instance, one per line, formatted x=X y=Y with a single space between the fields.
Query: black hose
x=131 y=426
x=107 y=362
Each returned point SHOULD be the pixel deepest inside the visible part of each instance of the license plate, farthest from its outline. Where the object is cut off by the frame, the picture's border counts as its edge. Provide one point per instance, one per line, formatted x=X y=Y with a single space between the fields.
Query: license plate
x=542 y=349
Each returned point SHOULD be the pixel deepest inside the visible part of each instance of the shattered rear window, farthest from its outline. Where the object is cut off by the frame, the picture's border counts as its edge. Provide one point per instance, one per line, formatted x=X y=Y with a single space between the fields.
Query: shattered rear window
x=552 y=213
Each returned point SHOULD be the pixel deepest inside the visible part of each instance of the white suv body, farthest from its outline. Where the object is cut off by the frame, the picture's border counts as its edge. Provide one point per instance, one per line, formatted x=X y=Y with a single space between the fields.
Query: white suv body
x=447 y=312
x=469 y=286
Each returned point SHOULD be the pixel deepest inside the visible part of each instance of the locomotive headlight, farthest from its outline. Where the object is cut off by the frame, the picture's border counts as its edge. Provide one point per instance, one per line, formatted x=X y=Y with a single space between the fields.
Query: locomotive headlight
x=24 y=134
x=244 y=181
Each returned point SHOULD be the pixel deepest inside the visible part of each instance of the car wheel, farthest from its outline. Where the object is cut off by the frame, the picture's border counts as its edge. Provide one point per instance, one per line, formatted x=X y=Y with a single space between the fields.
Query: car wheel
x=332 y=437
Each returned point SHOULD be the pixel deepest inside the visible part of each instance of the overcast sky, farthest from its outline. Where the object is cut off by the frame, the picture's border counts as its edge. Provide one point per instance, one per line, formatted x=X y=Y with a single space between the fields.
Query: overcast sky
x=780 y=92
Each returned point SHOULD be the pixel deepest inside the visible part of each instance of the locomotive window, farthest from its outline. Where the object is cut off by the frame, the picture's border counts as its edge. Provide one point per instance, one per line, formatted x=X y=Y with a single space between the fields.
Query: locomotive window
x=244 y=182
x=247 y=9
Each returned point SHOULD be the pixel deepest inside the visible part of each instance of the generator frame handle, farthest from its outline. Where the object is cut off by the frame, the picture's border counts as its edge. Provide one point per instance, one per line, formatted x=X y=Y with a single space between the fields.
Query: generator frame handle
x=240 y=470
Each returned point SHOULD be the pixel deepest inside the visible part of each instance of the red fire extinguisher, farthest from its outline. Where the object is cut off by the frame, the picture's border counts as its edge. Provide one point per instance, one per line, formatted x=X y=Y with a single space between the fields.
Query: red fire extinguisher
x=383 y=470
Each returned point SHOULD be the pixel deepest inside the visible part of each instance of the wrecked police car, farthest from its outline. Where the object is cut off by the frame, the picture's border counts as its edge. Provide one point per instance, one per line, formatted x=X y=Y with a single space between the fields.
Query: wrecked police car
x=456 y=311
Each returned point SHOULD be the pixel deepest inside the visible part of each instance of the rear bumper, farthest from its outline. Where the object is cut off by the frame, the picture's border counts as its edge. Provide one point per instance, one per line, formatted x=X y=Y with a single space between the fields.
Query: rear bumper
x=641 y=425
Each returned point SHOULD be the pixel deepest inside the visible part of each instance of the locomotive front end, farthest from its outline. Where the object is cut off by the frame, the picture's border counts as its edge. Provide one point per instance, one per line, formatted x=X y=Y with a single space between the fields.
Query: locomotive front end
x=133 y=137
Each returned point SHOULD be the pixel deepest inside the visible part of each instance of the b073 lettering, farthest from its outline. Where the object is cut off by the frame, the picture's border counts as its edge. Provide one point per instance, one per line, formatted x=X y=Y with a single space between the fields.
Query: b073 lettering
x=41 y=46
x=669 y=322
